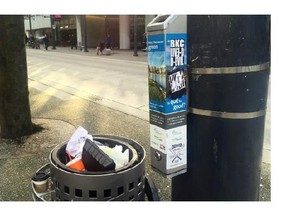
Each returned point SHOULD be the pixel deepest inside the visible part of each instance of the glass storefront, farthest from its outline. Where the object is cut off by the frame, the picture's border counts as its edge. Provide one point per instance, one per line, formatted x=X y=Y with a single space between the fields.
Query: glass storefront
x=66 y=27
x=140 y=30
x=97 y=28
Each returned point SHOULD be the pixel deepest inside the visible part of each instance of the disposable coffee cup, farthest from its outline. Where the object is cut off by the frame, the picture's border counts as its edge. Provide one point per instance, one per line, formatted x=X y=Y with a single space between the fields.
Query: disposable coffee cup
x=40 y=182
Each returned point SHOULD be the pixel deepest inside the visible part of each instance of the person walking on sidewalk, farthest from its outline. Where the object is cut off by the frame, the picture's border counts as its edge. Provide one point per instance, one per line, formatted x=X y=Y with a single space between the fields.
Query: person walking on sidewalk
x=73 y=41
x=108 y=42
x=45 y=41
x=144 y=42
x=100 y=47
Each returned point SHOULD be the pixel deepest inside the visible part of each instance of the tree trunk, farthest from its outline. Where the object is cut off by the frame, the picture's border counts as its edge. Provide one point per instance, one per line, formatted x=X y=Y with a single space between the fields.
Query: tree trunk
x=15 y=114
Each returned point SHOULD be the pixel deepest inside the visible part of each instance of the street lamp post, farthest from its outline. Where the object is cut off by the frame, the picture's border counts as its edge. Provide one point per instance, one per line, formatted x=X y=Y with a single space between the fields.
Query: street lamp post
x=85 y=35
x=30 y=25
x=53 y=32
x=135 y=35
x=54 y=37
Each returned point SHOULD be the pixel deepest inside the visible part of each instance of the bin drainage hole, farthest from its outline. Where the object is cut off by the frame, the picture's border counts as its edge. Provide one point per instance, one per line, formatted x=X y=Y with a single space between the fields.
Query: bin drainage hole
x=57 y=184
x=107 y=192
x=139 y=192
x=92 y=193
x=139 y=180
x=120 y=190
x=66 y=189
x=78 y=192
x=131 y=185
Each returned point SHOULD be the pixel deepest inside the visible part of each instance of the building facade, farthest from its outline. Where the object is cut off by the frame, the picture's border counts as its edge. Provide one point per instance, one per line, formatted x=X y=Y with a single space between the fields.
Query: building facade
x=91 y=27
x=37 y=25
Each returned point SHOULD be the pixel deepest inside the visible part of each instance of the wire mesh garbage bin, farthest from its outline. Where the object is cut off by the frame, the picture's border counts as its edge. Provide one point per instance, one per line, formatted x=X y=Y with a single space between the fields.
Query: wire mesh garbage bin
x=125 y=184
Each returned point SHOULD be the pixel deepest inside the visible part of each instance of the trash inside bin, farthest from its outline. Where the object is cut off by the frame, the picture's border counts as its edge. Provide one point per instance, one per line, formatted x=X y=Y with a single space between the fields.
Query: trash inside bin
x=94 y=159
x=124 y=183
x=86 y=154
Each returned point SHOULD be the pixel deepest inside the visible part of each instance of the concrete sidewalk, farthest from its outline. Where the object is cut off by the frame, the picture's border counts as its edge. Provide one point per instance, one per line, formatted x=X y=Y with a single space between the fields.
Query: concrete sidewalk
x=20 y=159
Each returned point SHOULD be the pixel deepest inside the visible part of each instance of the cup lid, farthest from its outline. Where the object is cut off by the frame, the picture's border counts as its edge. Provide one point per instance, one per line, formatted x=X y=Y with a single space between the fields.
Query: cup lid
x=40 y=176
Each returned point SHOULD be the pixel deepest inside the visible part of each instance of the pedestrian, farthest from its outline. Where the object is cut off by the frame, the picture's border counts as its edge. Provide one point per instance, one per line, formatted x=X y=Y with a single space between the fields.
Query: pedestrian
x=31 y=41
x=45 y=41
x=26 y=39
x=31 y=38
x=108 y=42
x=73 y=41
x=144 y=42
x=100 y=47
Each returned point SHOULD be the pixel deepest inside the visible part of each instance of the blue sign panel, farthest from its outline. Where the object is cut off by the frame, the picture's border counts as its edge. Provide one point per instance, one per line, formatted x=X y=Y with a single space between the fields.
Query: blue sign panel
x=167 y=64
x=156 y=43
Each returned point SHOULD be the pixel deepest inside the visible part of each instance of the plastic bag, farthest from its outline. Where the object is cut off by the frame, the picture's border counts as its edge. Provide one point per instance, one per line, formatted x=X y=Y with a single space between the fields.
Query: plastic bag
x=120 y=158
x=76 y=164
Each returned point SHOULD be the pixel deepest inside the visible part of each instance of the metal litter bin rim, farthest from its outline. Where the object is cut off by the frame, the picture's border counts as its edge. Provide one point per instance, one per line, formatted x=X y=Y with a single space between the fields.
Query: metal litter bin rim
x=55 y=161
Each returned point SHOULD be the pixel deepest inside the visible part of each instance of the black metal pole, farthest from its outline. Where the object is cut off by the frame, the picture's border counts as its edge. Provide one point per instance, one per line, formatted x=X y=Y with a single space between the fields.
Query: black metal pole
x=229 y=59
x=53 y=32
x=30 y=25
x=135 y=35
x=85 y=35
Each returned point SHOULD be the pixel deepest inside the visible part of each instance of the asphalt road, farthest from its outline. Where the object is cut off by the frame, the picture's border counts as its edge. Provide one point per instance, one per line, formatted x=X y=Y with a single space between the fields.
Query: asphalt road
x=116 y=83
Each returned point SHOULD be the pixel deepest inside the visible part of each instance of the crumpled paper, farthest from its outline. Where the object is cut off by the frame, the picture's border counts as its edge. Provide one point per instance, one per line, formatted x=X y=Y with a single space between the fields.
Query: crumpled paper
x=75 y=144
